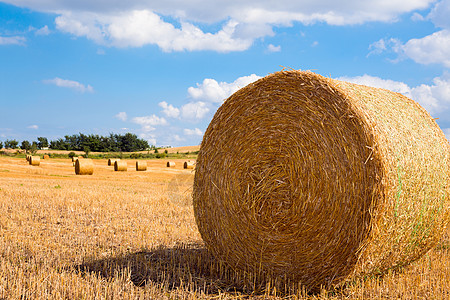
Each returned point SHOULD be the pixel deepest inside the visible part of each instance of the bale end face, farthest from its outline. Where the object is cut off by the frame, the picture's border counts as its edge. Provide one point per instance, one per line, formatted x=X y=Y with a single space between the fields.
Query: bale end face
x=170 y=164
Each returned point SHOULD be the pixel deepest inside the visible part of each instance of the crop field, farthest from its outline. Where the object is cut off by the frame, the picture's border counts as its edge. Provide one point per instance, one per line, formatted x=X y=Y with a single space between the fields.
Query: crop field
x=132 y=235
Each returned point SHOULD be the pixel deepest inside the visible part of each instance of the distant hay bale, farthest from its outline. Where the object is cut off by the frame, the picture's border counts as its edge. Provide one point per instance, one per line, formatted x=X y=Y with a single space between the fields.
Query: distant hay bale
x=120 y=165
x=84 y=166
x=46 y=156
x=171 y=164
x=74 y=159
x=28 y=157
x=111 y=161
x=35 y=160
x=188 y=165
x=141 y=165
x=320 y=181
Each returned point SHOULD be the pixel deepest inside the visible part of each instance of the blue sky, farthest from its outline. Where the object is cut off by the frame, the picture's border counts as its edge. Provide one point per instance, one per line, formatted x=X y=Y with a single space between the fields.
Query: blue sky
x=160 y=69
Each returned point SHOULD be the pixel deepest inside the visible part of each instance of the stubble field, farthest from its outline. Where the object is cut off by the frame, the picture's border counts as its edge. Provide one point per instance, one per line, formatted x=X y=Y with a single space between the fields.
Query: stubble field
x=132 y=235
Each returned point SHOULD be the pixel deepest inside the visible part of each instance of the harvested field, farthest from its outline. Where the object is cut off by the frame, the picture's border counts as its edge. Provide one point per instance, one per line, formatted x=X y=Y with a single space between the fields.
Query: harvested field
x=132 y=235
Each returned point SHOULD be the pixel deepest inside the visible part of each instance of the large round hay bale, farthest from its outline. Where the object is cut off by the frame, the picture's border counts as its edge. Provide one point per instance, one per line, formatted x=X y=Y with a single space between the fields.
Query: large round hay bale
x=141 y=165
x=84 y=166
x=171 y=164
x=320 y=181
x=120 y=165
x=35 y=160
x=111 y=161
x=188 y=165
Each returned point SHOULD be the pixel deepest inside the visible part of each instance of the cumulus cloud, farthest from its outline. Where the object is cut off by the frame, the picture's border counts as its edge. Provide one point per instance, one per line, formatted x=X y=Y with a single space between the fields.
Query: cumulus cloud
x=12 y=40
x=42 y=31
x=35 y=127
x=212 y=91
x=194 y=110
x=273 y=48
x=430 y=49
x=195 y=131
x=75 y=85
x=122 y=116
x=435 y=98
x=138 y=23
x=169 y=110
x=148 y=121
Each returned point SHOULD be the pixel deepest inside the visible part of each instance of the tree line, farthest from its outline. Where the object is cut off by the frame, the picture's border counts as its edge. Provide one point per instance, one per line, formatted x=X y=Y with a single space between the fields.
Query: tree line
x=81 y=142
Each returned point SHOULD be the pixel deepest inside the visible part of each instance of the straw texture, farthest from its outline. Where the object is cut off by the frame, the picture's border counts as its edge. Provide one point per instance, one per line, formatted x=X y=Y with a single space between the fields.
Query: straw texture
x=188 y=165
x=35 y=160
x=141 y=165
x=171 y=164
x=120 y=165
x=84 y=166
x=320 y=181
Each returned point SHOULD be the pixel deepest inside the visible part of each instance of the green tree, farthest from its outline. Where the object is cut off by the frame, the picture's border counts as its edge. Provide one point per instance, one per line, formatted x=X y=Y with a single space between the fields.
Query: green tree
x=71 y=154
x=11 y=144
x=26 y=145
x=34 y=148
x=42 y=142
x=1 y=144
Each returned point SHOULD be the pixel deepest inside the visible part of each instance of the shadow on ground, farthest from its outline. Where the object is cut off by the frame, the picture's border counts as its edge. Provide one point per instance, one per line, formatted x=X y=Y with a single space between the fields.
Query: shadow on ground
x=189 y=267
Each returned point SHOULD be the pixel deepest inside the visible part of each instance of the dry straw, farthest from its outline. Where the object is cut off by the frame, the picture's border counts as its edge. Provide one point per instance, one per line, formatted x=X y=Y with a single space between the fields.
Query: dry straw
x=120 y=165
x=320 y=181
x=188 y=165
x=84 y=167
x=35 y=160
x=171 y=164
x=111 y=161
x=141 y=165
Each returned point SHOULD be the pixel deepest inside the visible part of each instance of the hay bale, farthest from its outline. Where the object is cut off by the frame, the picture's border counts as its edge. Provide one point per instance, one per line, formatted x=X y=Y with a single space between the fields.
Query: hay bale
x=141 y=165
x=320 y=181
x=84 y=166
x=171 y=164
x=188 y=165
x=74 y=159
x=46 y=156
x=120 y=165
x=35 y=160
x=28 y=157
x=111 y=161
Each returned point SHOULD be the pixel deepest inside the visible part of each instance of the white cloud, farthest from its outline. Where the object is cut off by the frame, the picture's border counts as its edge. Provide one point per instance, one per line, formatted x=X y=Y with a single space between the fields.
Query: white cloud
x=169 y=110
x=434 y=48
x=194 y=110
x=69 y=84
x=195 y=131
x=122 y=116
x=431 y=49
x=273 y=48
x=42 y=31
x=212 y=91
x=435 y=98
x=138 y=23
x=12 y=40
x=35 y=127
x=148 y=121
